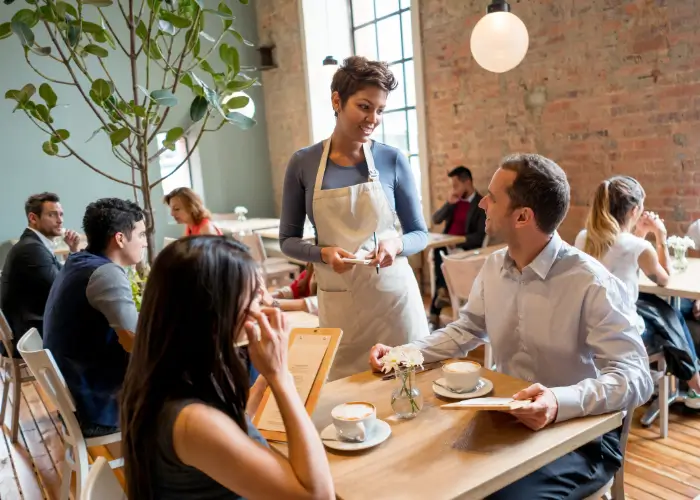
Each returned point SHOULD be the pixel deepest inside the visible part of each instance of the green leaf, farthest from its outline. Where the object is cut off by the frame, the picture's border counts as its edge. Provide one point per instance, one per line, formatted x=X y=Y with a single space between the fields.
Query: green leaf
x=64 y=8
x=175 y=20
x=48 y=95
x=200 y=3
x=207 y=67
x=26 y=16
x=95 y=50
x=60 y=135
x=229 y=55
x=154 y=51
x=23 y=32
x=144 y=91
x=240 y=38
x=154 y=5
x=50 y=148
x=166 y=27
x=207 y=37
x=108 y=36
x=42 y=51
x=139 y=111
x=101 y=90
x=46 y=13
x=237 y=102
x=27 y=92
x=186 y=80
x=92 y=28
x=171 y=137
x=236 y=85
x=243 y=122
x=198 y=108
x=244 y=2
x=98 y=3
x=95 y=133
x=30 y=2
x=196 y=48
x=5 y=30
x=12 y=94
x=142 y=31
x=119 y=136
x=222 y=15
x=42 y=113
x=164 y=97
x=73 y=35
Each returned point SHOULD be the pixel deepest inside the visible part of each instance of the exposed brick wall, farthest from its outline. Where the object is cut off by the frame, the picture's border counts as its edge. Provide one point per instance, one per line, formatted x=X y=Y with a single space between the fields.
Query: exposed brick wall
x=607 y=87
x=286 y=106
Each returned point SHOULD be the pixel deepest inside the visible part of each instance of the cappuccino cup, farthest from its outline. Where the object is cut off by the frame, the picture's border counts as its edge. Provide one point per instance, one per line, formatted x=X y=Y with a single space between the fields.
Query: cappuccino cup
x=462 y=376
x=354 y=421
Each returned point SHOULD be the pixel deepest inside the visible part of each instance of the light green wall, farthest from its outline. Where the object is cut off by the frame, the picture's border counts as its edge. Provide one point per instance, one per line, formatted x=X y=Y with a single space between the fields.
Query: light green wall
x=235 y=163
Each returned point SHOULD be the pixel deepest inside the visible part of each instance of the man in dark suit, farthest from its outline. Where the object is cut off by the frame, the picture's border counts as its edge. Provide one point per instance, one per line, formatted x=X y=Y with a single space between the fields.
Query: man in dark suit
x=31 y=266
x=462 y=217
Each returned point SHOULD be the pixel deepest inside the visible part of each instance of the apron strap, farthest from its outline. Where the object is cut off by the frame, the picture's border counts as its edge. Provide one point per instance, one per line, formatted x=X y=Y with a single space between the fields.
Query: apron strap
x=371 y=169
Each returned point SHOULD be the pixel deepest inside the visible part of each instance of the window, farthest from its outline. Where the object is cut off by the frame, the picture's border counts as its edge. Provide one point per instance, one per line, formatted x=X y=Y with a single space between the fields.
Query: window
x=381 y=30
x=169 y=161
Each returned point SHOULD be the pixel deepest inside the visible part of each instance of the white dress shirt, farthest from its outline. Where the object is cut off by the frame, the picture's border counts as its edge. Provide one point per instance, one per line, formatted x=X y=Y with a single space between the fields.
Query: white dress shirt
x=49 y=244
x=564 y=322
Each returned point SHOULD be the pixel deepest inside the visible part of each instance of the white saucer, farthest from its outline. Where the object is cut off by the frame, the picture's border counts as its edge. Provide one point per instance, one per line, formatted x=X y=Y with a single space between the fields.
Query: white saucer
x=380 y=433
x=486 y=387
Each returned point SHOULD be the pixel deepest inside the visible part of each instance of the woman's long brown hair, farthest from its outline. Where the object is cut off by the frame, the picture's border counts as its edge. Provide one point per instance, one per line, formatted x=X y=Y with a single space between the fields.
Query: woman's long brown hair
x=196 y=300
x=192 y=203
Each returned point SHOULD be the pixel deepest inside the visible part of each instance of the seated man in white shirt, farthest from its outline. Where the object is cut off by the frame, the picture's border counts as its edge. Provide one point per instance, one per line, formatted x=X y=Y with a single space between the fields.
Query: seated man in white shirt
x=555 y=317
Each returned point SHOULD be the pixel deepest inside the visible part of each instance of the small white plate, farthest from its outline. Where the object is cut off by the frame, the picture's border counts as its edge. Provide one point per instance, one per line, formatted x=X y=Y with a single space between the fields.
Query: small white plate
x=380 y=433
x=486 y=387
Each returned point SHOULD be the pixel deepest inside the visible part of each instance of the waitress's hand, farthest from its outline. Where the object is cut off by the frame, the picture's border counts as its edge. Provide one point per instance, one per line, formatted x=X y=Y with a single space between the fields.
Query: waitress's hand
x=386 y=253
x=267 y=343
x=333 y=255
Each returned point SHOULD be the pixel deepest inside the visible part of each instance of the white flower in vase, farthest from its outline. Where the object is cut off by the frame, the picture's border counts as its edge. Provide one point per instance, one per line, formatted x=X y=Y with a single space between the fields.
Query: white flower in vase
x=406 y=399
x=403 y=356
x=680 y=242
x=241 y=212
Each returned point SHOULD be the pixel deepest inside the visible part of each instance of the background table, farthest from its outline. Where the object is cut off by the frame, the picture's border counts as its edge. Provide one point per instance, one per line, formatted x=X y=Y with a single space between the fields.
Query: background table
x=685 y=285
x=445 y=453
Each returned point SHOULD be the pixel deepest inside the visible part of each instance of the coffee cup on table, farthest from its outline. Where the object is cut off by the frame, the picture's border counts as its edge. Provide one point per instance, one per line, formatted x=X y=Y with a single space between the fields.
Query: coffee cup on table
x=461 y=376
x=353 y=421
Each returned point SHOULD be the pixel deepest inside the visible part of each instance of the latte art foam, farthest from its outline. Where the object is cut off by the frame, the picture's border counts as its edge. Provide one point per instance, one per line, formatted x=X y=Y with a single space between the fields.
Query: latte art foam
x=353 y=411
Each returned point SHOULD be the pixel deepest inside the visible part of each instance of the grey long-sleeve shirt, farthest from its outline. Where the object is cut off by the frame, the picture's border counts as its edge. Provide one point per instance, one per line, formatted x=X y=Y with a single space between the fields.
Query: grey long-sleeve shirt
x=395 y=176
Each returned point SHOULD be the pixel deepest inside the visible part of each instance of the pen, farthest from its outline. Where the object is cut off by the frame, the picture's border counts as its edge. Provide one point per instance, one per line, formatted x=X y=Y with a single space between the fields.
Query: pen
x=376 y=250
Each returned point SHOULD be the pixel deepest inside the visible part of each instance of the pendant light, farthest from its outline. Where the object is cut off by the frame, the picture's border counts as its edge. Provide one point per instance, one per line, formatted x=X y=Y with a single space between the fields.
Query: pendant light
x=499 y=40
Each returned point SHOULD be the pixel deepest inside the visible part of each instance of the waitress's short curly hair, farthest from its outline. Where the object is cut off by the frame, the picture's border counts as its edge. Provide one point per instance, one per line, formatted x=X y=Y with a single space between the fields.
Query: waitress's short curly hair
x=357 y=73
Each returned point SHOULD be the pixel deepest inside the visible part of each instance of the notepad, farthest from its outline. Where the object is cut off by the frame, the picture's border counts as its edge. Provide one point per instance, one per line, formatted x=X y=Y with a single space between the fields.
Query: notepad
x=498 y=404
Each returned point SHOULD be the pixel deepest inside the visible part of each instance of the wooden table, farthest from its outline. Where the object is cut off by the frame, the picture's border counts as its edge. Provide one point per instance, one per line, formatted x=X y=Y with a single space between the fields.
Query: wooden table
x=444 y=454
x=301 y=319
x=685 y=285
x=274 y=234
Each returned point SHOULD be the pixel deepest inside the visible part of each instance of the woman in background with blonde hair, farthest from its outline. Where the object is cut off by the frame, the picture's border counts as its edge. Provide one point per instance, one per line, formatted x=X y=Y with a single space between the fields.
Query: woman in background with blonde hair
x=186 y=207
x=615 y=235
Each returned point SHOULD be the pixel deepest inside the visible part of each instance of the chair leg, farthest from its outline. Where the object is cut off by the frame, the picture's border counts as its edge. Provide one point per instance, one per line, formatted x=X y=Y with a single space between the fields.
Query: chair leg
x=66 y=475
x=5 y=391
x=663 y=405
x=82 y=467
x=16 y=399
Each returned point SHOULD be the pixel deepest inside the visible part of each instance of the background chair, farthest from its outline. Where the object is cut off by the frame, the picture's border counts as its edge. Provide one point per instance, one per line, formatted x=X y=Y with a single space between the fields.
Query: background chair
x=13 y=372
x=101 y=483
x=43 y=366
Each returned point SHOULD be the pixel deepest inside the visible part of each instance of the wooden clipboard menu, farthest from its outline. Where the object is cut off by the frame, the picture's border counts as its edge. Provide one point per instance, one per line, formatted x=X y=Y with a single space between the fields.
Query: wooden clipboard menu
x=311 y=354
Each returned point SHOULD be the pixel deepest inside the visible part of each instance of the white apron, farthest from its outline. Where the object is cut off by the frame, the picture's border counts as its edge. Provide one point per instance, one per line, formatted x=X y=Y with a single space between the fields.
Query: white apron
x=370 y=308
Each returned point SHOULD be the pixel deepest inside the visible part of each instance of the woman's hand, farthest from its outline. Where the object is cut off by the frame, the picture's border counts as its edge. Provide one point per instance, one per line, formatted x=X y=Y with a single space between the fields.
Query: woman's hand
x=333 y=257
x=386 y=252
x=268 y=343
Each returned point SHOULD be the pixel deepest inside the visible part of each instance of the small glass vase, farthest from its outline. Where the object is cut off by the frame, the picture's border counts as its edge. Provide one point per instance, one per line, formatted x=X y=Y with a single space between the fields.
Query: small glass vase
x=406 y=399
x=680 y=262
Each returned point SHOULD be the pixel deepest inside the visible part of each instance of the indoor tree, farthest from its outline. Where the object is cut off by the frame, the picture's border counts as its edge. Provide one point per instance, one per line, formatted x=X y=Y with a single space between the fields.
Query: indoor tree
x=165 y=44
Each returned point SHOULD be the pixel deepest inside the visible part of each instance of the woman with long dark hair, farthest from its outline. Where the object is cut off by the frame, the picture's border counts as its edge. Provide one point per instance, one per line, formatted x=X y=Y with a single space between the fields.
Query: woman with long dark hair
x=186 y=402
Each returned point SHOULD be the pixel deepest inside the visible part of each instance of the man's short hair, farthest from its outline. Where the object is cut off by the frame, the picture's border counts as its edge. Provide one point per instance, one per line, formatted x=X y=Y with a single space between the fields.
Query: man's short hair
x=541 y=185
x=108 y=216
x=462 y=173
x=35 y=203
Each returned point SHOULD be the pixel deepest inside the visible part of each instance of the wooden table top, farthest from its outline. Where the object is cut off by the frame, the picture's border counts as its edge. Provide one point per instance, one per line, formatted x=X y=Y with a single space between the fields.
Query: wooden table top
x=301 y=319
x=439 y=240
x=248 y=225
x=445 y=453
x=274 y=233
x=685 y=285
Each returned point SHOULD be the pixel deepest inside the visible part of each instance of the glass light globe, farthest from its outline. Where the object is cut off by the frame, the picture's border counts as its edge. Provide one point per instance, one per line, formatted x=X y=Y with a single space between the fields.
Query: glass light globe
x=499 y=41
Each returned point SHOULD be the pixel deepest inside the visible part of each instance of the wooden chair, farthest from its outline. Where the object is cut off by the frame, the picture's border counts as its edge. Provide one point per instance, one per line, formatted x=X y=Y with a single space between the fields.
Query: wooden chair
x=11 y=373
x=43 y=366
x=459 y=276
x=273 y=268
x=101 y=483
x=615 y=488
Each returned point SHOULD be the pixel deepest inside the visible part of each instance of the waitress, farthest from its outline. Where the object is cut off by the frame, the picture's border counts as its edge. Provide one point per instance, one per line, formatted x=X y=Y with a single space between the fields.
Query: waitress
x=352 y=189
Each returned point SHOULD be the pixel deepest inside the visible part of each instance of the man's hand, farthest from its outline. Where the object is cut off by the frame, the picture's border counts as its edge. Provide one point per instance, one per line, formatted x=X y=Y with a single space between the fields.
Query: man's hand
x=72 y=239
x=453 y=197
x=375 y=354
x=543 y=409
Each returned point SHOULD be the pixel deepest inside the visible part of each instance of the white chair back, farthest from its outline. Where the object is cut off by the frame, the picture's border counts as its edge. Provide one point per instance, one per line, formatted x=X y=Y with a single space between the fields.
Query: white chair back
x=255 y=245
x=101 y=483
x=460 y=274
x=42 y=365
x=167 y=241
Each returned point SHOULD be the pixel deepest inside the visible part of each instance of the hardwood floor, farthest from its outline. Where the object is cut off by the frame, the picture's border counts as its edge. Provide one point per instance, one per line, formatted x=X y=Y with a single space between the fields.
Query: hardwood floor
x=655 y=468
